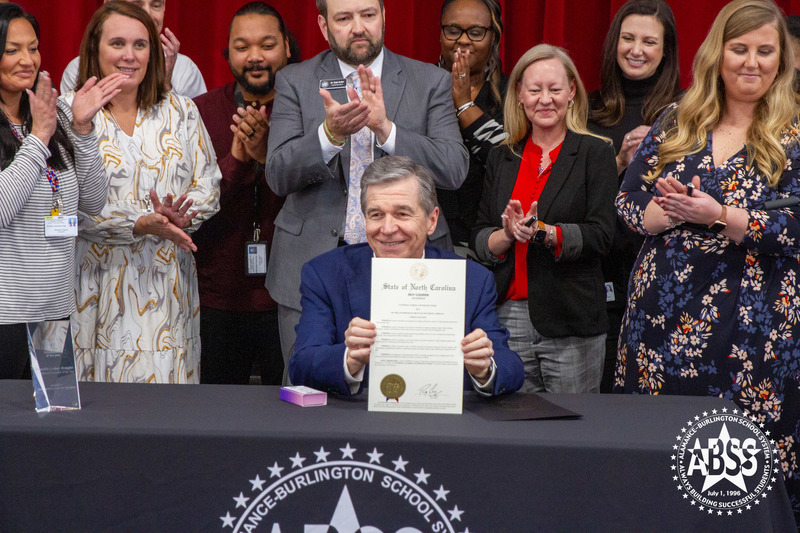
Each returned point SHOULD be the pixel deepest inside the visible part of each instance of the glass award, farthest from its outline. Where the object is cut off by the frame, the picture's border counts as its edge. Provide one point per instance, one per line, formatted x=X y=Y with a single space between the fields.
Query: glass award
x=55 y=382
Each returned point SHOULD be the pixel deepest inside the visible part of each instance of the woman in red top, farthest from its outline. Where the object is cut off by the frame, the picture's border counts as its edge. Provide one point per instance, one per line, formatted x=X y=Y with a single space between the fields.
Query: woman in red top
x=545 y=219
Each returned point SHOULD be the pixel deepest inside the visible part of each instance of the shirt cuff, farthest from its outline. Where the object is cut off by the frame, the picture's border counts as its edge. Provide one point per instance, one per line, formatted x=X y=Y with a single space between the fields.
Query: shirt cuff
x=354 y=382
x=487 y=388
x=328 y=149
x=388 y=146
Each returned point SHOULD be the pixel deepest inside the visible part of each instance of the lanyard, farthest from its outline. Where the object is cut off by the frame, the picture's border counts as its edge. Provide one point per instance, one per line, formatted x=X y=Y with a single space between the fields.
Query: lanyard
x=52 y=177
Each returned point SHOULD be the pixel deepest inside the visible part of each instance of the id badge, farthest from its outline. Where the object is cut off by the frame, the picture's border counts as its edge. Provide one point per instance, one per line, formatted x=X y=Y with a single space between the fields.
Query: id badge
x=609 y=291
x=61 y=226
x=255 y=258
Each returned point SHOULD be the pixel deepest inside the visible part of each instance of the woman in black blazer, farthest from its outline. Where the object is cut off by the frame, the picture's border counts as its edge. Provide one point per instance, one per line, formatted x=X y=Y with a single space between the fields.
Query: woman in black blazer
x=545 y=219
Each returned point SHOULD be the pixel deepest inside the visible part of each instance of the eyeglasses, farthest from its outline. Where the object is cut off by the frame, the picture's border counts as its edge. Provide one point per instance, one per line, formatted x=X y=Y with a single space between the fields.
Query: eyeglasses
x=452 y=32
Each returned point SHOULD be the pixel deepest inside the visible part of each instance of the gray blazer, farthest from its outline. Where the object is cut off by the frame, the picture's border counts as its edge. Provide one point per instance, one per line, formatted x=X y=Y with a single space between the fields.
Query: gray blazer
x=418 y=100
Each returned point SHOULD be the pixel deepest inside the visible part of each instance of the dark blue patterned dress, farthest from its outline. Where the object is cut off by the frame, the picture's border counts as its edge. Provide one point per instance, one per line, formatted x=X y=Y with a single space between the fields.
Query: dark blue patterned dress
x=707 y=316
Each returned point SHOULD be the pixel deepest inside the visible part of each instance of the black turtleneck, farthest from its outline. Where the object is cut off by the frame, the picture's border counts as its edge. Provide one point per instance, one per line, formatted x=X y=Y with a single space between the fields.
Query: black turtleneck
x=635 y=92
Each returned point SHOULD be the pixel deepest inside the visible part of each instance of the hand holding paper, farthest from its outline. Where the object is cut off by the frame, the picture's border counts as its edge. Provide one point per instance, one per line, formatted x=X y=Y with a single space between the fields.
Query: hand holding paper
x=478 y=352
x=359 y=337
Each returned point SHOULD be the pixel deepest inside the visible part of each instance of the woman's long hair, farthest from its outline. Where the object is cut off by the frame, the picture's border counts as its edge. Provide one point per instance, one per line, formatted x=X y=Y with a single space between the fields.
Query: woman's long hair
x=152 y=89
x=60 y=145
x=701 y=108
x=494 y=67
x=517 y=124
x=667 y=87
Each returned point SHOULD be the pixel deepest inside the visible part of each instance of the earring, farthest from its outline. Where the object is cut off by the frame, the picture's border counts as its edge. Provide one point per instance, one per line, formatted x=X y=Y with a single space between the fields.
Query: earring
x=571 y=104
x=519 y=104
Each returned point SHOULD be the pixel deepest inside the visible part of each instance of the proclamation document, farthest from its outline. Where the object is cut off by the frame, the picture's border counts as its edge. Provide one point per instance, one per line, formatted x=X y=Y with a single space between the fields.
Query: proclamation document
x=416 y=364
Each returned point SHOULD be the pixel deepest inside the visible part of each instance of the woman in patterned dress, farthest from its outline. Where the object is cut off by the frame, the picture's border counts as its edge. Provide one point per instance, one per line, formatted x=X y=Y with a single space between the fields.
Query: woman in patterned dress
x=138 y=307
x=713 y=299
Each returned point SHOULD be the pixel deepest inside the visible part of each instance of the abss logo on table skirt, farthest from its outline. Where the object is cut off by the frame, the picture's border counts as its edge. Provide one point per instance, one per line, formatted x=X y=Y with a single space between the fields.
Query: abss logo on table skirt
x=344 y=490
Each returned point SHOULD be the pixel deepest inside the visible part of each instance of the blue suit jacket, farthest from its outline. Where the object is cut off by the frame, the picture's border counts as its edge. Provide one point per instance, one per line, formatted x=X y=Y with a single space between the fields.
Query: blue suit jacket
x=335 y=288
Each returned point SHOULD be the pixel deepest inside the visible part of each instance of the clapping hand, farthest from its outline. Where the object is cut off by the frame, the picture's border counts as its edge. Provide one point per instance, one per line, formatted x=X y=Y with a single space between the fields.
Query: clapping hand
x=175 y=209
x=43 y=108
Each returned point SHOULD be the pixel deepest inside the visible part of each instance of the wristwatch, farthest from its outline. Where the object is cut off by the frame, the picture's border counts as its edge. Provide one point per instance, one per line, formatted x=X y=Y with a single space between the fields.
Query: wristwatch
x=719 y=224
x=540 y=233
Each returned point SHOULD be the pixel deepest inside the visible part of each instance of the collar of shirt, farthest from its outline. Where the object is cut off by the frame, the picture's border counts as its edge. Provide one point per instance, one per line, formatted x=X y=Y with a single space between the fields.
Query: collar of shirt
x=376 y=66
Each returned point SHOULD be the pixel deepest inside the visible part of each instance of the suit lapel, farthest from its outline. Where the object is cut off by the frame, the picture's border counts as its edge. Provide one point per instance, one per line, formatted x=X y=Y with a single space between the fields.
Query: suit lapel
x=358 y=281
x=559 y=173
x=392 y=83
x=511 y=168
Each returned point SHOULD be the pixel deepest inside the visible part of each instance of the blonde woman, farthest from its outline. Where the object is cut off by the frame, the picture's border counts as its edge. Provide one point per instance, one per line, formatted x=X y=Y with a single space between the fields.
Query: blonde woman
x=545 y=218
x=713 y=306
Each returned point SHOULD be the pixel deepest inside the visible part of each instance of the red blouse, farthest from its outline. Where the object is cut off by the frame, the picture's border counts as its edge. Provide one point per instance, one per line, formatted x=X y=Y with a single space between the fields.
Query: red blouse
x=527 y=189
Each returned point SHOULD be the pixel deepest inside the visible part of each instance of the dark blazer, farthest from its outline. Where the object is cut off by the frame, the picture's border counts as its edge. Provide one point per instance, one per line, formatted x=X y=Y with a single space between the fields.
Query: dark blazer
x=336 y=288
x=566 y=296
x=418 y=100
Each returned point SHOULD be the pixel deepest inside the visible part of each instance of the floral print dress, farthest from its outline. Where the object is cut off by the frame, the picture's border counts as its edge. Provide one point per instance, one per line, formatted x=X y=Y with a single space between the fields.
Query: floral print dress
x=707 y=316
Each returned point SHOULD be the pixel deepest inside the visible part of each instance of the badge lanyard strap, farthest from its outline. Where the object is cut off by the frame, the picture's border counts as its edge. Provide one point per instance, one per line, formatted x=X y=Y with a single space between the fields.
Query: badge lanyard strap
x=52 y=177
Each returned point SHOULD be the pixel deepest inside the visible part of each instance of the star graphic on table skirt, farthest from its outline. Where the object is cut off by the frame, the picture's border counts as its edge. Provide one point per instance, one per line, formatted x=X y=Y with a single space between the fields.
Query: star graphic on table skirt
x=441 y=493
x=275 y=470
x=241 y=500
x=297 y=461
x=347 y=451
x=322 y=455
x=375 y=456
x=258 y=483
x=227 y=520
x=702 y=455
x=455 y=513
x=400 y=464
x=421 y=476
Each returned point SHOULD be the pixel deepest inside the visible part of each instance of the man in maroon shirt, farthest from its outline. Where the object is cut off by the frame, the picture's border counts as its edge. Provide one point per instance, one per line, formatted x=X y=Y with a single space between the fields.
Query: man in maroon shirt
x=238 y=318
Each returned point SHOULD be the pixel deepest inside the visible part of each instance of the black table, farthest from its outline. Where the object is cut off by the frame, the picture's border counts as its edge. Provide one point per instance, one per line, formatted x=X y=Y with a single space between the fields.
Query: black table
x=225 y=458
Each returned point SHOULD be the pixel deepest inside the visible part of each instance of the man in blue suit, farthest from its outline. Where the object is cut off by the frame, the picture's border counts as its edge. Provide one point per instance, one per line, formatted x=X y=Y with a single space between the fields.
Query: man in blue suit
x=334 y=336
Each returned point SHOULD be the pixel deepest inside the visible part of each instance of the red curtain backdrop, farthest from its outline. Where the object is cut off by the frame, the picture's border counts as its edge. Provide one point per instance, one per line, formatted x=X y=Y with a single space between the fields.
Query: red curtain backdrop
x=412 y=29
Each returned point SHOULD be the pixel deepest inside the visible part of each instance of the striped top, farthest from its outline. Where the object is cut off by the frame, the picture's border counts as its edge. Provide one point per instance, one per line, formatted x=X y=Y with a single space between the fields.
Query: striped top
x=37 y=273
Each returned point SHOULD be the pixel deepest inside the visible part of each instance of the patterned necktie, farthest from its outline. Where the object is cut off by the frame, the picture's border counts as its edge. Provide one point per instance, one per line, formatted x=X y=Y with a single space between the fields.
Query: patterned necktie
x=360 y=158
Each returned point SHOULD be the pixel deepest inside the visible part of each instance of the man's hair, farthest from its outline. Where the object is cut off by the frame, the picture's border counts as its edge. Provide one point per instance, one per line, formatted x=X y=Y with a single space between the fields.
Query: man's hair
x=258 y=8
x=395 y=168
x=322 y=7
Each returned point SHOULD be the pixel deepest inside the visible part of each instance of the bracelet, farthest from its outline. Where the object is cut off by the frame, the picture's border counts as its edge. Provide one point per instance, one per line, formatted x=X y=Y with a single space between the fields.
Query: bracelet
x=550 y=237
x=463 y=108
x=330 y=136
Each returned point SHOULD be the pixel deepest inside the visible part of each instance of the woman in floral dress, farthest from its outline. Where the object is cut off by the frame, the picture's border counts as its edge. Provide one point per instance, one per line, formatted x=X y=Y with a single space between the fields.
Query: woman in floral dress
x=713 y=298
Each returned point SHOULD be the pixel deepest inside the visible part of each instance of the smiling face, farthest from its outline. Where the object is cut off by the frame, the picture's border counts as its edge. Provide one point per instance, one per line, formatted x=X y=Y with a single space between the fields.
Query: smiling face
x=20 y=61
x=396 y=223
x=640 y=47
x=354 y=30
x=545 y=92
x=750 y=63
x=464 y=14
x=124 y=47
x=256 y=51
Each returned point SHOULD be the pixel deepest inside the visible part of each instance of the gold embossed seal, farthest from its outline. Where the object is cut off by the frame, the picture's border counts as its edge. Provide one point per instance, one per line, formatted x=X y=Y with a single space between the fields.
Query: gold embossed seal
x=393 y=386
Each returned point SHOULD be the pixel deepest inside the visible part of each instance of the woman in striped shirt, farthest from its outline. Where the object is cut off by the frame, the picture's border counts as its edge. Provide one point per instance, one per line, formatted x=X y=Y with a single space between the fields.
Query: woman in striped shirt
x=50 y=167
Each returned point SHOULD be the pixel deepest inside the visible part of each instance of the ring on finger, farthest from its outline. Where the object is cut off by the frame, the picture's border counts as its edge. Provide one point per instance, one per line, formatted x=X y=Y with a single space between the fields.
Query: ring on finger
x=628 y=137
x=462 y=75
x=252 y=132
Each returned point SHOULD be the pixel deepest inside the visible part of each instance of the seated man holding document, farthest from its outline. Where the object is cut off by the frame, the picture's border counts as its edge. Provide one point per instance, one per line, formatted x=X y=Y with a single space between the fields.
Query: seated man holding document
x=335 y=335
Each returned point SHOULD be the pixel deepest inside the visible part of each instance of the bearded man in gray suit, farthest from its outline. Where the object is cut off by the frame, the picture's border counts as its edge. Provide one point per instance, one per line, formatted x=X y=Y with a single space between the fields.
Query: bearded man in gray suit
x=328 y=110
